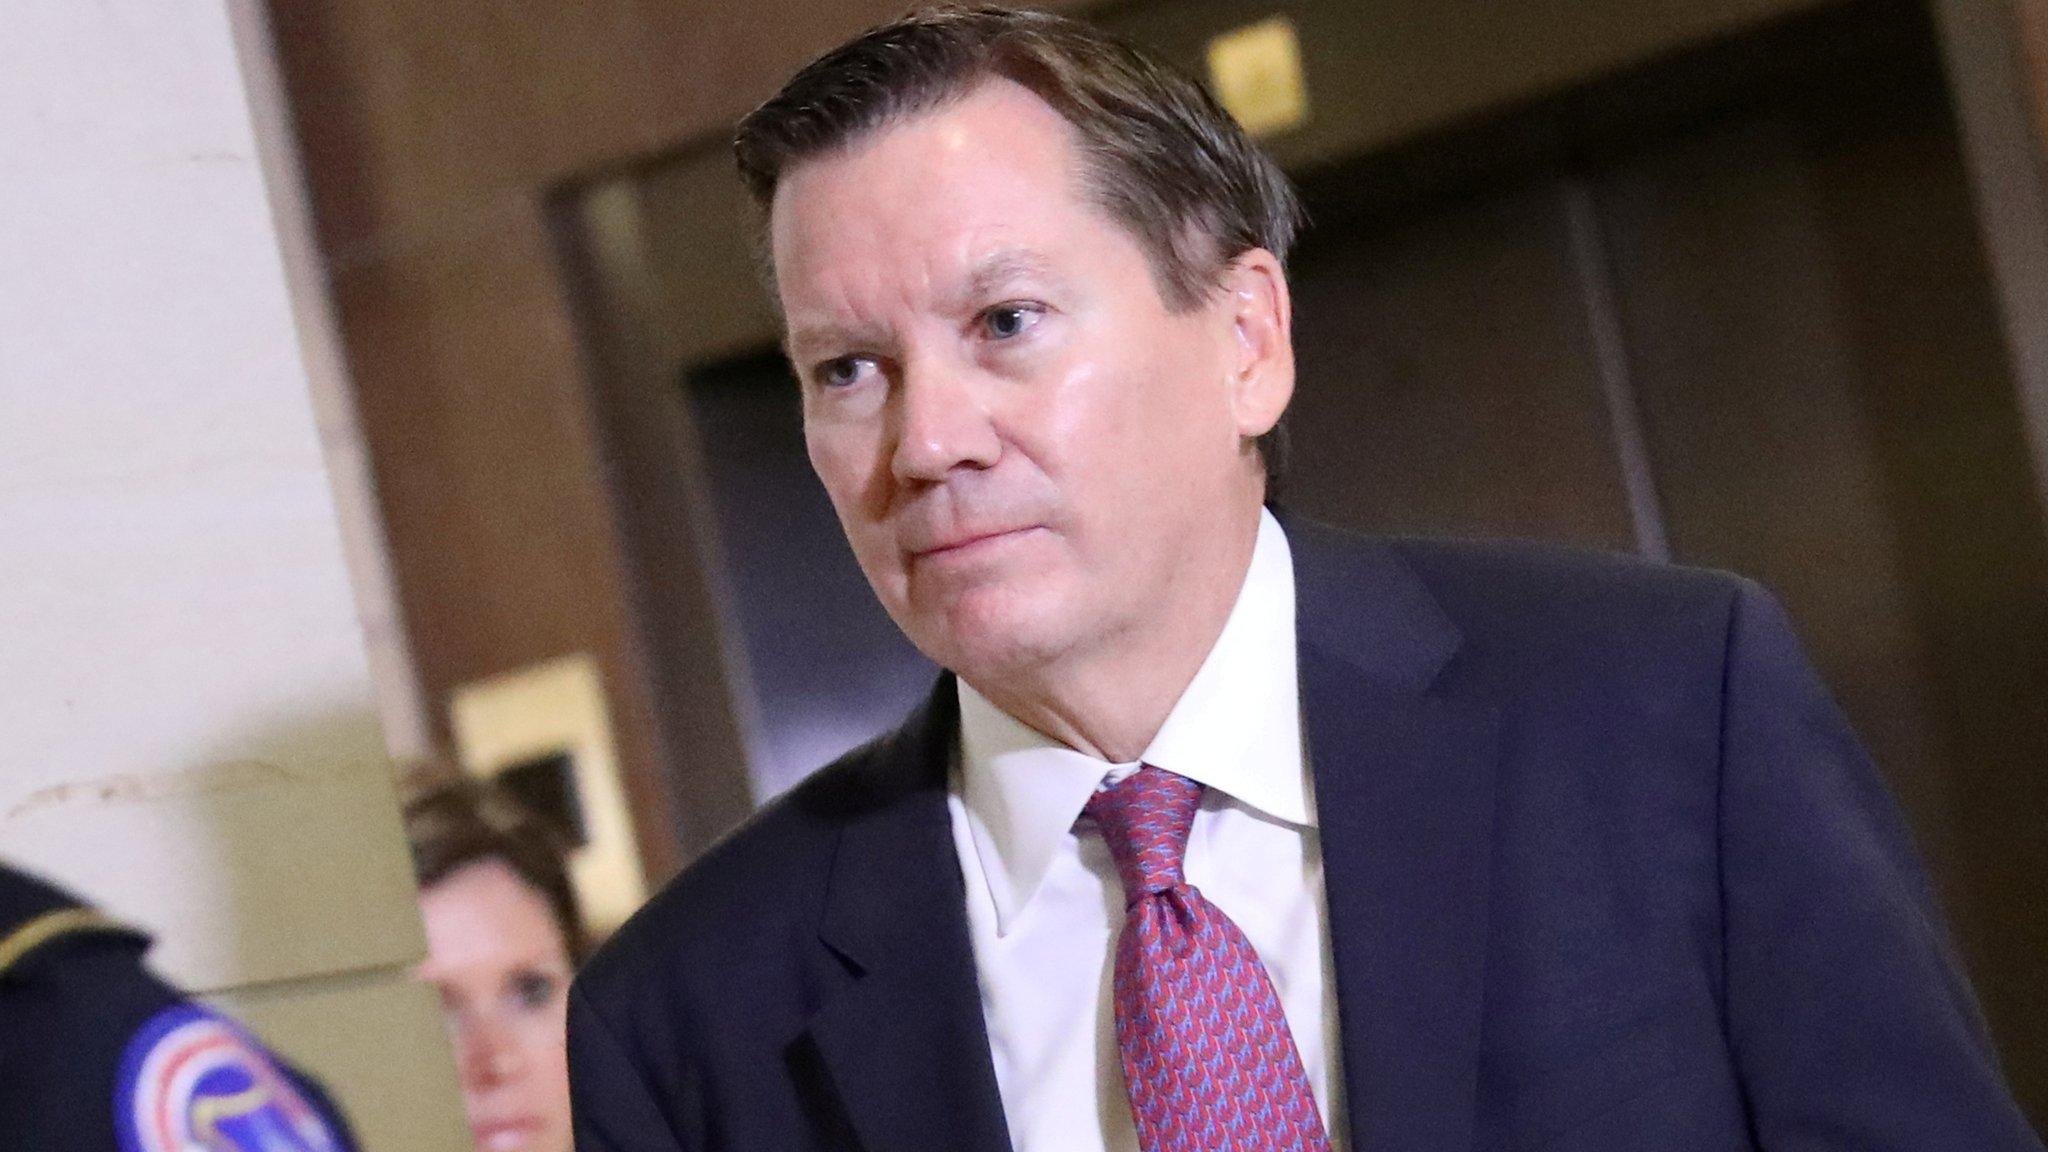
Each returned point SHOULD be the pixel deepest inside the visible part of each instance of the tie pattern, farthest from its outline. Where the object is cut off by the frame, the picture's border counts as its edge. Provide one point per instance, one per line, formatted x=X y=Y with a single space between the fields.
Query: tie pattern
x=1208 y=1060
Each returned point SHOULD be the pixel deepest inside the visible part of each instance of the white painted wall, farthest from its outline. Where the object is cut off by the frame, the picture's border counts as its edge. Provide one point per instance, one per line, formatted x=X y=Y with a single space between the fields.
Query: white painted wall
x=191 y=729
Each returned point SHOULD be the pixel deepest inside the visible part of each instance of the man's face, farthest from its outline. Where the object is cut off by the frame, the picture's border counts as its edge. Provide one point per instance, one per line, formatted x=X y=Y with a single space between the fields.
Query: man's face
x=1032 y=456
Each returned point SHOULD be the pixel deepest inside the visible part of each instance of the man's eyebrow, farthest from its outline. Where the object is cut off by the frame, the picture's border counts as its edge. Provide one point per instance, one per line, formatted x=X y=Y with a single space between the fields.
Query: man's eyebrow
x=1002 y=268
x=989 y=277
x=808 y=337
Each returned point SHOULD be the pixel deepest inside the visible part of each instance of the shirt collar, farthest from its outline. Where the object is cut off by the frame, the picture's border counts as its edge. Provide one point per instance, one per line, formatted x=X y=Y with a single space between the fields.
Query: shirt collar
x=1236 y=729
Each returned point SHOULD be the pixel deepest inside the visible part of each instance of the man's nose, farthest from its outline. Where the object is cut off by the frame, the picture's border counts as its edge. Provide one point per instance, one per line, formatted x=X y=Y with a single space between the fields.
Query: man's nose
x=943 y=423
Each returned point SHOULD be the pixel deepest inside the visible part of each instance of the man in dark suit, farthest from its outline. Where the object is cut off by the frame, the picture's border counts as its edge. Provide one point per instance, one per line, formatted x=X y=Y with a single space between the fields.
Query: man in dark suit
x=1224 y=832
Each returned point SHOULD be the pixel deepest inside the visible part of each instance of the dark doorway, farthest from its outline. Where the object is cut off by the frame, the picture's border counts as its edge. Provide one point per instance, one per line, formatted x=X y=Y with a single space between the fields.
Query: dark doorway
x=825 y=669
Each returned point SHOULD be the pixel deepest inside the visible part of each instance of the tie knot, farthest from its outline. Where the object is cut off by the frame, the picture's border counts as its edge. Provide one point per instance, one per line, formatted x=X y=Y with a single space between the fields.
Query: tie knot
x=1145 y=821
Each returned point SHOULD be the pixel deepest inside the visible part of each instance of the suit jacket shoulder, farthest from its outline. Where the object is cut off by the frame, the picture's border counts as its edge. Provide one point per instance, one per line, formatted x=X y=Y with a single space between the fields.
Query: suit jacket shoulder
x=759 y=891
x=1515 y=616
x=808 y=977
x=1703 y=921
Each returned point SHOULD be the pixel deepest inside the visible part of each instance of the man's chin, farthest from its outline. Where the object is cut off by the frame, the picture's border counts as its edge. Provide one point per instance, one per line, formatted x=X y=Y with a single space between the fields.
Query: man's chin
x=991 y=635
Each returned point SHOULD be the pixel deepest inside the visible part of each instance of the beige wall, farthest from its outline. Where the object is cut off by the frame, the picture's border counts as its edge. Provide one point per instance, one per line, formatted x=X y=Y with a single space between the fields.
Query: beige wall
x=192 y=733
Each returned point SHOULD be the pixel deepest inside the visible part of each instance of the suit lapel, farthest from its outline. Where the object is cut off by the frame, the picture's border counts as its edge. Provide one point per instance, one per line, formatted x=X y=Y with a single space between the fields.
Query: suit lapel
x=904 y=1043
x=1403 y=751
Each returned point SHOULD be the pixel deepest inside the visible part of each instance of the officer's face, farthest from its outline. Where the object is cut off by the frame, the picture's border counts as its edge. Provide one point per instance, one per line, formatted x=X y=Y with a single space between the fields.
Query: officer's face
x=1030 y=452
x=498 y=959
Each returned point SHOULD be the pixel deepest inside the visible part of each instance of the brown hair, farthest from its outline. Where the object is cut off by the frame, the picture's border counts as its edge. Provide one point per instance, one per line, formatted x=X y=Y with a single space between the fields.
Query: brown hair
x=453 y=820
x=1162 y=157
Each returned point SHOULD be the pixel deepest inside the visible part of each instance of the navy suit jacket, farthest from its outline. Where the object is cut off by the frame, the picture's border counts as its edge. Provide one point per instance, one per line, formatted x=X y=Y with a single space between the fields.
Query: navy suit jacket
x=1606 y=870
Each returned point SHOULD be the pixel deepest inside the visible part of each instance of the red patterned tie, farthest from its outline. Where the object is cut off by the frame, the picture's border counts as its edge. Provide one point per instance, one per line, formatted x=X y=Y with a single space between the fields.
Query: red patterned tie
x=1208 y=1060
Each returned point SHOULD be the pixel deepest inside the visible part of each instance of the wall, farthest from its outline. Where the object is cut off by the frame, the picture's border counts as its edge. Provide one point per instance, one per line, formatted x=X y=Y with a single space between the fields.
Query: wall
x=193 y=735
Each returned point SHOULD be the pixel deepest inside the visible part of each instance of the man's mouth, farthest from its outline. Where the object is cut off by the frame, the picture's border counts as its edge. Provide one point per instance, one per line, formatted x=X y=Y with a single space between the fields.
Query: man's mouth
x=960 y=547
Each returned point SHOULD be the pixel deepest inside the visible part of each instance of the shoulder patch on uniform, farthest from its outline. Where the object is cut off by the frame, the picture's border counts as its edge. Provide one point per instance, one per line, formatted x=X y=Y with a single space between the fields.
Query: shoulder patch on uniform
x=192 y=1080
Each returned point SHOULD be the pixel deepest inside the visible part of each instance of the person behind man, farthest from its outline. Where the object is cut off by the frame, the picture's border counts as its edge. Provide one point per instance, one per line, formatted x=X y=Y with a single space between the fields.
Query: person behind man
x=503 y=938
x=99 y=1055
x=1222 y=831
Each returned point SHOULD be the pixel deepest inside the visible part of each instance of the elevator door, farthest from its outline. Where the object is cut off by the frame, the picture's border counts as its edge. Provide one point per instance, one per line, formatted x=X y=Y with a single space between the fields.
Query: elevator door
x=1761 y=340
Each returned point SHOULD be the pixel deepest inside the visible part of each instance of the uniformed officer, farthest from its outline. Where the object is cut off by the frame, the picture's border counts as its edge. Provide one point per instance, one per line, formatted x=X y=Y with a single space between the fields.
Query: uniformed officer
x=98 y=1055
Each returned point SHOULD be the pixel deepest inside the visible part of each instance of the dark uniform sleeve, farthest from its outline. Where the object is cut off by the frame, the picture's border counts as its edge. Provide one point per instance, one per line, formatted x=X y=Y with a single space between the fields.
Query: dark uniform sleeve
x=613 y=1108
x=1851 y=1023
x=92 y=1044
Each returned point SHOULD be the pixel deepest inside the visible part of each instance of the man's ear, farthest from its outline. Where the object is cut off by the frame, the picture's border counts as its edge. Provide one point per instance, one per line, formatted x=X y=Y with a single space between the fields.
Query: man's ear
x=1261 y=316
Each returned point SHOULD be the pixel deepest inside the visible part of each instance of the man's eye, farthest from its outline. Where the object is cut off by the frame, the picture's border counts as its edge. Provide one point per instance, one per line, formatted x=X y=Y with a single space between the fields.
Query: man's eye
x=1005 y=321
x=844 y=371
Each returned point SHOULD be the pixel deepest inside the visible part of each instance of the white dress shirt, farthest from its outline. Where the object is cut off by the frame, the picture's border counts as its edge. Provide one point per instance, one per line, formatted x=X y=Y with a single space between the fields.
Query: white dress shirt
x=1044 y=904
